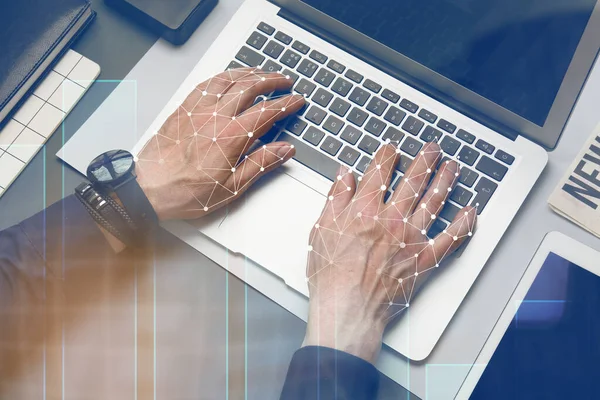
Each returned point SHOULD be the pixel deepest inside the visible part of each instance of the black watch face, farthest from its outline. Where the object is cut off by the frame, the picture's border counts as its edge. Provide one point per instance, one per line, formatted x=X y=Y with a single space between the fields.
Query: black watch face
x=111 y=167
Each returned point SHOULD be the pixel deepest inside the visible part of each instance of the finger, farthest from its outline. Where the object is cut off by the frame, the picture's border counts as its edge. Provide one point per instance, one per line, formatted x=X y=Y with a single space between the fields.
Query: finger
x=261 y=161
x=258 y=120
x=413 y=184
x=244 y=91
x=211 y=90
x=339 y=197
x=376 y=180
x=434 y=199
x=449 y=240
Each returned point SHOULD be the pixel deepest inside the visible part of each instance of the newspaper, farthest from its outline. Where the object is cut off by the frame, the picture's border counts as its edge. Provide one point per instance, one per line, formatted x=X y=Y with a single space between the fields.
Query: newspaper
x=577 y=197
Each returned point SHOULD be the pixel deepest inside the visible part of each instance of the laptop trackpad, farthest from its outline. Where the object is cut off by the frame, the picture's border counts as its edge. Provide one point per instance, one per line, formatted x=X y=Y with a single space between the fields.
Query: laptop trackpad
x=270 y=224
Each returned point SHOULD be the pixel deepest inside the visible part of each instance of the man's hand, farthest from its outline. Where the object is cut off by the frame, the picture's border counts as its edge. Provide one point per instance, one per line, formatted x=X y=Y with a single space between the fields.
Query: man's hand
x=367 y=258
x=197 y=161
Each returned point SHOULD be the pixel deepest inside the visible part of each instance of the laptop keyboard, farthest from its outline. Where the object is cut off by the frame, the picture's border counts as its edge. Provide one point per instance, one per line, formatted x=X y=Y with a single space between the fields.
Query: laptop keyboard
x=348 y=117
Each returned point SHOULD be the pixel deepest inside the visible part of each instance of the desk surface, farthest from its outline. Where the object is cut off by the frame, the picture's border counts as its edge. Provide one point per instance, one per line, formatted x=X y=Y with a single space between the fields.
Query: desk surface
x=247 y=340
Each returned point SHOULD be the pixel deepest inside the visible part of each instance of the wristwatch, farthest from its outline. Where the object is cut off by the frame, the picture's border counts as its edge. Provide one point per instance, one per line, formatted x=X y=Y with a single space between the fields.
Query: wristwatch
x=115 y=200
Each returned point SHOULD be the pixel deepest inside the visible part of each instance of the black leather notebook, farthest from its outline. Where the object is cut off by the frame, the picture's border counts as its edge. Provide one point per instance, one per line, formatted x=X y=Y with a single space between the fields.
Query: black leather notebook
x=33 y=35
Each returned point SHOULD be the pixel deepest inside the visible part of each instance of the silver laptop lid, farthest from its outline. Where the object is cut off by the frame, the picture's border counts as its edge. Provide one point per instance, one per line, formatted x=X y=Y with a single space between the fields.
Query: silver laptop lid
x=516 y=66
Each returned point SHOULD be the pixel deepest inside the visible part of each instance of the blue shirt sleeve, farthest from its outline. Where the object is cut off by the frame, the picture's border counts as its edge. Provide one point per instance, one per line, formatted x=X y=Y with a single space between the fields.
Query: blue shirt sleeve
x=325 y=373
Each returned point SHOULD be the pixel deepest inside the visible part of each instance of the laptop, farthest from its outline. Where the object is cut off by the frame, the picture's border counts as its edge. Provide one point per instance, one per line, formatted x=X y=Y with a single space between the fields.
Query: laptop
x=492 y=82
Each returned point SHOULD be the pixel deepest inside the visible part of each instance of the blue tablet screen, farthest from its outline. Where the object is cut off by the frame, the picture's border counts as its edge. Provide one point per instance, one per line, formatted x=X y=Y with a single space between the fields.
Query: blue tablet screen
x=551 y=349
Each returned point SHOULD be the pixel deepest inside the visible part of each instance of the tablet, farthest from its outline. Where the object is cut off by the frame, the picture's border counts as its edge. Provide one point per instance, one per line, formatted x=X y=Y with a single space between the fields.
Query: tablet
x=546 y=343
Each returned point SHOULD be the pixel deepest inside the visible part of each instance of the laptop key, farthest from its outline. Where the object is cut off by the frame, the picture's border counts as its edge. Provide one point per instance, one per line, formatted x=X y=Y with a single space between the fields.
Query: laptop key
x=369 y=144
x=273 y=49
x=449 y=212
x=257 y=40
x=336 y=66
x=342 y=87
x=290 y=58
x=268 y=29
x=333 y=125
x=375 y=126
x=354 y=76
x=271 y=66
x=296 y=126
x=318 y=57
x=409 y=105
x=249 y=57
x=339 y=107
x=233 y=65
x=357 y=116
x=411 y=146
x=372 y=86
x=363 y=164
x=359 y=96
x=404 y=163
x=465 y=136
x=305 y=87
x=394 y=116
x=449 y=145
x=446 y=126
x=283 y=38
x=504 y=157
x=437 y=227
x=313 y=136
x=413 y=125
x=312 y=158
x=307 y=68
x=377 y=106
x=491 y=168
x=301 y=47
x=431 y=134
x=322 y=97
x=461 y=195
x=467 y=177
x=485 y=146
x=428 y=116
x=351 y=134
x=324 y=77
x=316 y=115
x=287 y=73
x=468 y=155
x=485 y=189
x=391 y=96
x=331 y=145
x=349 y=155
x=393 y=135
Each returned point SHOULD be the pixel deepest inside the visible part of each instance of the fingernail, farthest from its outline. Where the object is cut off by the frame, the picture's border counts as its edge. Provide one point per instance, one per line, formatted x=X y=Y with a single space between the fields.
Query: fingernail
x=284 y=150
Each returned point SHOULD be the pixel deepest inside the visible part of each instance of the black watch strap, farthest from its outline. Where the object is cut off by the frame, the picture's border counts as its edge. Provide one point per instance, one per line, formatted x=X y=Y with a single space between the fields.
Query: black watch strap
x=137 y=206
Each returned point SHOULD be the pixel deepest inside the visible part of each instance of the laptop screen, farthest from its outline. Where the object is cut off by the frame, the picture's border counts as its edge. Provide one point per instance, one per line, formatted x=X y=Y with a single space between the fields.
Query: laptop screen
x=513 y=52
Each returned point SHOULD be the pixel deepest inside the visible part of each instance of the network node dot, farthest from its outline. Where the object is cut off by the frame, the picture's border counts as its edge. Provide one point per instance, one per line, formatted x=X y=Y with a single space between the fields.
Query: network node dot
x=264 y=146
x=214 y=139
x=263 y=79
x=189 y=114
x=262 y=169
x=436 y=190
x=449 y=189
x=135 y=159
x=310 y=248
x=317 y=226
x=359 y=214
x=283 y=109
x=233 y=118
x=376 y=218
x=407 y=305
x=416 y=194
x=422 y=153
x=292 y=146
x=476 y=204
x=399 y=280
x=405 y=179
x=348 y=188
x=205 y=208
x=416 y=273
x=402 y=245
x=397 y=150
x=383 y=187
x=241 y=92
x=428 y=170
x=443 y=202
x=177 y=142
x=287 y=77
x=455 y=238
x=161 y=161
x=233 y=169
x=250 y=134
x=456 y=174
x=405 y=220
x=390 y=303
x=379 y=271
x=219 y=95
x=393 y=203
x=423 y=205
x=431 y=242
x=330 y=198
x=466 y=213
x=235 y=193
x=378 y=166
x=339 y=177
x=204 y=93
x=262 y=109
x=433 y=216
x=444 y=231
x=423 y=231
x=195 y=134
x=470 y=234
x=198 y=168
x=387 y=141
x=215 y=114
x=437 y=265
x=360 y=178
x=306 y=279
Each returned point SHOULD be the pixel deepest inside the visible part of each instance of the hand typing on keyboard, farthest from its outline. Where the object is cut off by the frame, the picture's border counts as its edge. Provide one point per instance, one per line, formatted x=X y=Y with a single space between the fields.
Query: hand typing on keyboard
x=197 y=161
x=368 y=257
